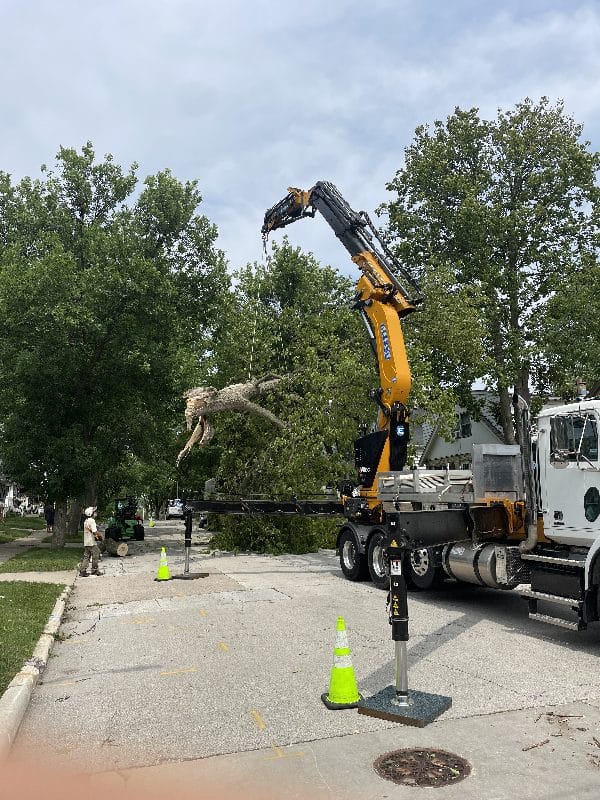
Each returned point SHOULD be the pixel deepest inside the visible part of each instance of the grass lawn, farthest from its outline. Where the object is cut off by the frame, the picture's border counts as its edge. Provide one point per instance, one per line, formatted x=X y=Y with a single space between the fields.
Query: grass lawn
x=42 y=559
x=14 y=526
x=24 y=611
x=74 y=538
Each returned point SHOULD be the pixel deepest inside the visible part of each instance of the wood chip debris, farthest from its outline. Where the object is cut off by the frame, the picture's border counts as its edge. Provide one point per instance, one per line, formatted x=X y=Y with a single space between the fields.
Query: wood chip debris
x=537 y=744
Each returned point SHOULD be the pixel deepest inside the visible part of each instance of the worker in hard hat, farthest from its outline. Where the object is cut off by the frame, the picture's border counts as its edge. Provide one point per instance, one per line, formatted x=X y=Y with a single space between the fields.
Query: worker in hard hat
x=91 y=537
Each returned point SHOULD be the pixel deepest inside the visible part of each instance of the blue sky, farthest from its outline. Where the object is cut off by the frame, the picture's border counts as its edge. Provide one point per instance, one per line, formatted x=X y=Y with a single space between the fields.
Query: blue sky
x=249 y=97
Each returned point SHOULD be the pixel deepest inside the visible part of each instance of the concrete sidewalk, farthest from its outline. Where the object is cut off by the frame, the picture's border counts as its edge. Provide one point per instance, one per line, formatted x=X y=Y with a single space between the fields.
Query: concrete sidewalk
x=10 y=549
x=217 y=681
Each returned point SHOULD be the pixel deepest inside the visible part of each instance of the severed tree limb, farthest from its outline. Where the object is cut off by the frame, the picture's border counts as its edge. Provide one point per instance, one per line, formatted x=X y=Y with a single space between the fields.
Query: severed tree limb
x=205 y=400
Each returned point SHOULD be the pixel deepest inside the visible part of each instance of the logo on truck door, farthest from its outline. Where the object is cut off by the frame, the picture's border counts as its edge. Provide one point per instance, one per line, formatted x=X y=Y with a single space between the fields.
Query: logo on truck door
x=387 y=353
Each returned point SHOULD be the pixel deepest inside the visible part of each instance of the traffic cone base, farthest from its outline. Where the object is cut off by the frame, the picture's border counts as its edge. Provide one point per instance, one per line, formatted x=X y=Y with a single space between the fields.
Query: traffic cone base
x=335 y=706
x=343 y=691
x=163 y=573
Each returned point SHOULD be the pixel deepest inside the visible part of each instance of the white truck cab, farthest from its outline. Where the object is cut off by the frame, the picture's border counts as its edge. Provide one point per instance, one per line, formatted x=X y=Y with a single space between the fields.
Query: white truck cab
x=569 y=472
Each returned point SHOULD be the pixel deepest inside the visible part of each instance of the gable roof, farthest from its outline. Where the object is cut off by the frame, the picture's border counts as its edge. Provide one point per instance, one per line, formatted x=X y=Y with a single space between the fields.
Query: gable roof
x=486 y=418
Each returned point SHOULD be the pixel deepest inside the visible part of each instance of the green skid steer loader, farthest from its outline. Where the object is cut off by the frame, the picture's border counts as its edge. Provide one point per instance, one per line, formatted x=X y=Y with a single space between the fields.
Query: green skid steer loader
x=125 y=524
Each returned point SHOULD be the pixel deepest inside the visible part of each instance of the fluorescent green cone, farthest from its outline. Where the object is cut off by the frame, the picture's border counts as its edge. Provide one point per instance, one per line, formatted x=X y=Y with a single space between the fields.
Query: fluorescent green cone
x=343 y=691
x=163 y=573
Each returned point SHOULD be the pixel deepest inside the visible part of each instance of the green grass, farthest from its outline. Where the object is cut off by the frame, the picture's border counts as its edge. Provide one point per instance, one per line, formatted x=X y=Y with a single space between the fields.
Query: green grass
x=17 y=521
x=24 y=611
x=74 y=538
x=42 y=559
x=15 y=526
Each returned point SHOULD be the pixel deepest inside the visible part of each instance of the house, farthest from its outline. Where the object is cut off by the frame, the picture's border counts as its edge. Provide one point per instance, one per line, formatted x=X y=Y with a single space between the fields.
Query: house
x=8 y=494
x=434 y=452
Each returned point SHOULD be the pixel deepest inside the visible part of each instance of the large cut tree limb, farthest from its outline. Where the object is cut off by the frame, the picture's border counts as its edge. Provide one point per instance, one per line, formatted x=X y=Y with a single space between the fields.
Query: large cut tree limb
x=205 y=400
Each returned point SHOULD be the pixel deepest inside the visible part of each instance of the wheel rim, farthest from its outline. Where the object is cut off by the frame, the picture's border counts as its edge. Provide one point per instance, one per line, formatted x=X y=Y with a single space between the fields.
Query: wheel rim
x=419 y=561
x=378 y=562
x=349 y=555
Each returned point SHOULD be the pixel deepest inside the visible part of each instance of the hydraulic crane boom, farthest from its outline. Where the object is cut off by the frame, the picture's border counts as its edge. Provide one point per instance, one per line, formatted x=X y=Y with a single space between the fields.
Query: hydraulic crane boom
x=385 y=294
x=355 y=231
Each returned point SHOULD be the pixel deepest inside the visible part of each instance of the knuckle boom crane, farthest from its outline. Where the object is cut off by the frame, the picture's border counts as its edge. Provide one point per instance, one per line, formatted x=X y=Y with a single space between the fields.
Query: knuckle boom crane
x=385 y=293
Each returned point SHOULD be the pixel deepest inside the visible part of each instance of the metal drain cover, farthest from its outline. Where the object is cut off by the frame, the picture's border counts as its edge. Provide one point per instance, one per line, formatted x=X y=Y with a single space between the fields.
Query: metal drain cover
x=422 y=767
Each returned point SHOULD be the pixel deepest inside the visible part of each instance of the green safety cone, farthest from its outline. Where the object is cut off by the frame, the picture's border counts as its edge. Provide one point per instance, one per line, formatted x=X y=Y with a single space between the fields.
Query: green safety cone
x=343 y=691
x=151 y=522
x=163 y=573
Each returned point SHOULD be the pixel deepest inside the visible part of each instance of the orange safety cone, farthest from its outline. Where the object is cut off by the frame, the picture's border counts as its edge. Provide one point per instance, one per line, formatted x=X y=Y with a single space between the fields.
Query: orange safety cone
x=343 y=691
x=163 y=573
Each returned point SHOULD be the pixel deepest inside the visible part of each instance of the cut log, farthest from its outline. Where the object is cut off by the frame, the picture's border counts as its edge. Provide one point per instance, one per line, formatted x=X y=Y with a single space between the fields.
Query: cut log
x=117 y=548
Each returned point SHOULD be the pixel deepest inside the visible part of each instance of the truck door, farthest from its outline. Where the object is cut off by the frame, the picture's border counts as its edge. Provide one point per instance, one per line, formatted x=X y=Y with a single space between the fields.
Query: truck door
x=571 y=478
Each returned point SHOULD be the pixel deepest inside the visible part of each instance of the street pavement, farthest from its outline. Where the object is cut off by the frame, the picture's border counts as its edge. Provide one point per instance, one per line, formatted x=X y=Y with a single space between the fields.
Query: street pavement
x=213 y=686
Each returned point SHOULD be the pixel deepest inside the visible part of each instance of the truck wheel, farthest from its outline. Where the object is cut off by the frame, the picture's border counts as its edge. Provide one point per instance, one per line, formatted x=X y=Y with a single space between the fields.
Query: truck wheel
x=376 y=562
x=421 y=572
x=352 y=561
x=138 y=533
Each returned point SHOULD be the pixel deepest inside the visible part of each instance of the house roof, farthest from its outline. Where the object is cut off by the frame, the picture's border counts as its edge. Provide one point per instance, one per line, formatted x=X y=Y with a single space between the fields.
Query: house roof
x=486 y=418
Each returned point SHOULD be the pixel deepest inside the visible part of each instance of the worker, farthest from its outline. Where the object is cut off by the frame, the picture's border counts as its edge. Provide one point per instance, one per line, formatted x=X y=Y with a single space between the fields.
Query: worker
x=91 y=537
x=49 y=516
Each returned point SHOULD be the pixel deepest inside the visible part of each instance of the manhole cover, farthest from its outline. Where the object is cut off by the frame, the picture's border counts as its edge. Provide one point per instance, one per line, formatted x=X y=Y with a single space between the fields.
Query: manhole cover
x=414 y=767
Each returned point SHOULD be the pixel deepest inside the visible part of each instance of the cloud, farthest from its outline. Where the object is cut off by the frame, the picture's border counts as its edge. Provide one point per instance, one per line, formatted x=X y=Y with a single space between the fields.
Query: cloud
x=250 y=97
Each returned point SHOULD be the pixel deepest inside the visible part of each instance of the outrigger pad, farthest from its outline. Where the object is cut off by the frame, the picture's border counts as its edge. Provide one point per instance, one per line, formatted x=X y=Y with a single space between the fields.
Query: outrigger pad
x=422 y=709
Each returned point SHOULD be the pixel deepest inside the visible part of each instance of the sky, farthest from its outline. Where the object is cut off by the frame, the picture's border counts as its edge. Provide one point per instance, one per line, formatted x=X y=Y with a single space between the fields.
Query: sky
x=249 y=97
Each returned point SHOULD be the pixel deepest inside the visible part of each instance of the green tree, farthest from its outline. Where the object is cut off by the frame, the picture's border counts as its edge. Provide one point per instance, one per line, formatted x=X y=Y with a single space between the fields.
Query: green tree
x=293 y=318
x=493 y=216
x=106 y=303
x=569 y=334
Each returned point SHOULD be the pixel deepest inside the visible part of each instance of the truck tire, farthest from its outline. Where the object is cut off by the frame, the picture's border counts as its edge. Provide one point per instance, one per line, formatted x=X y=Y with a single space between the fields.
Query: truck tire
x=375 y=560
x=352 y=562
x=138 y=533
x=421 y=571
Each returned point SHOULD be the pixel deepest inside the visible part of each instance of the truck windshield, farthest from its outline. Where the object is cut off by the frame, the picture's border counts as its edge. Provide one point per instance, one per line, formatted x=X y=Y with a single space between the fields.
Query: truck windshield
x=574 y=437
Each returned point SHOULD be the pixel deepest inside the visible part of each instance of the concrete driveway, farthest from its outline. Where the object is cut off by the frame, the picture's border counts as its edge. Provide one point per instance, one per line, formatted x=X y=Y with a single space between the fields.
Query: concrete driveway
x=176 y=685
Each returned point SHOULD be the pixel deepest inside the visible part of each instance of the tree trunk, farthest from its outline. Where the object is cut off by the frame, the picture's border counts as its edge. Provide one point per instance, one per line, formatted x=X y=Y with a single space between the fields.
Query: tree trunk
x=59 y=530
x=90 y=495
x=503 y=395
x=522 y=384
x=74 y=516
x=506 y=415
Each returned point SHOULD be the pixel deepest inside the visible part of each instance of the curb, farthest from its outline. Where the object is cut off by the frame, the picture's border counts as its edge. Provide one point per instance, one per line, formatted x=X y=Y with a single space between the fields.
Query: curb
x=15 y=700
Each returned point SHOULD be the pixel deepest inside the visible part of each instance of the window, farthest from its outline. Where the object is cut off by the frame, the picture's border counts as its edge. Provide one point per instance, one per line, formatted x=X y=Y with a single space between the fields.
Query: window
x=573 y=437
x=591 y=504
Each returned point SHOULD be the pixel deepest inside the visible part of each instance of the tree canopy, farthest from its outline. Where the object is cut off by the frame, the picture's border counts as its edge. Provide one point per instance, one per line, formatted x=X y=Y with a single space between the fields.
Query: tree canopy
x=494 y=216
x=107 y=301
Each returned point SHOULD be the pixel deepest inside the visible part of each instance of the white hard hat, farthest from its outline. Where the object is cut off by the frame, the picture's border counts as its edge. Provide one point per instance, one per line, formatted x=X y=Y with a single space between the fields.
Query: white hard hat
x=89 y=511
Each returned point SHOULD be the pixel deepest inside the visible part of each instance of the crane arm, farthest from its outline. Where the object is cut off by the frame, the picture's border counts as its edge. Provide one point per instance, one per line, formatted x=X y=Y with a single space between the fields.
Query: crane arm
x=387 y=279
x=385 y=294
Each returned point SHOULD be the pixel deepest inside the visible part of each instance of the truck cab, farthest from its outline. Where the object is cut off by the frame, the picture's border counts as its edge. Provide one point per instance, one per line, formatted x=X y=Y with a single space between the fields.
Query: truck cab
x=569 y=473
